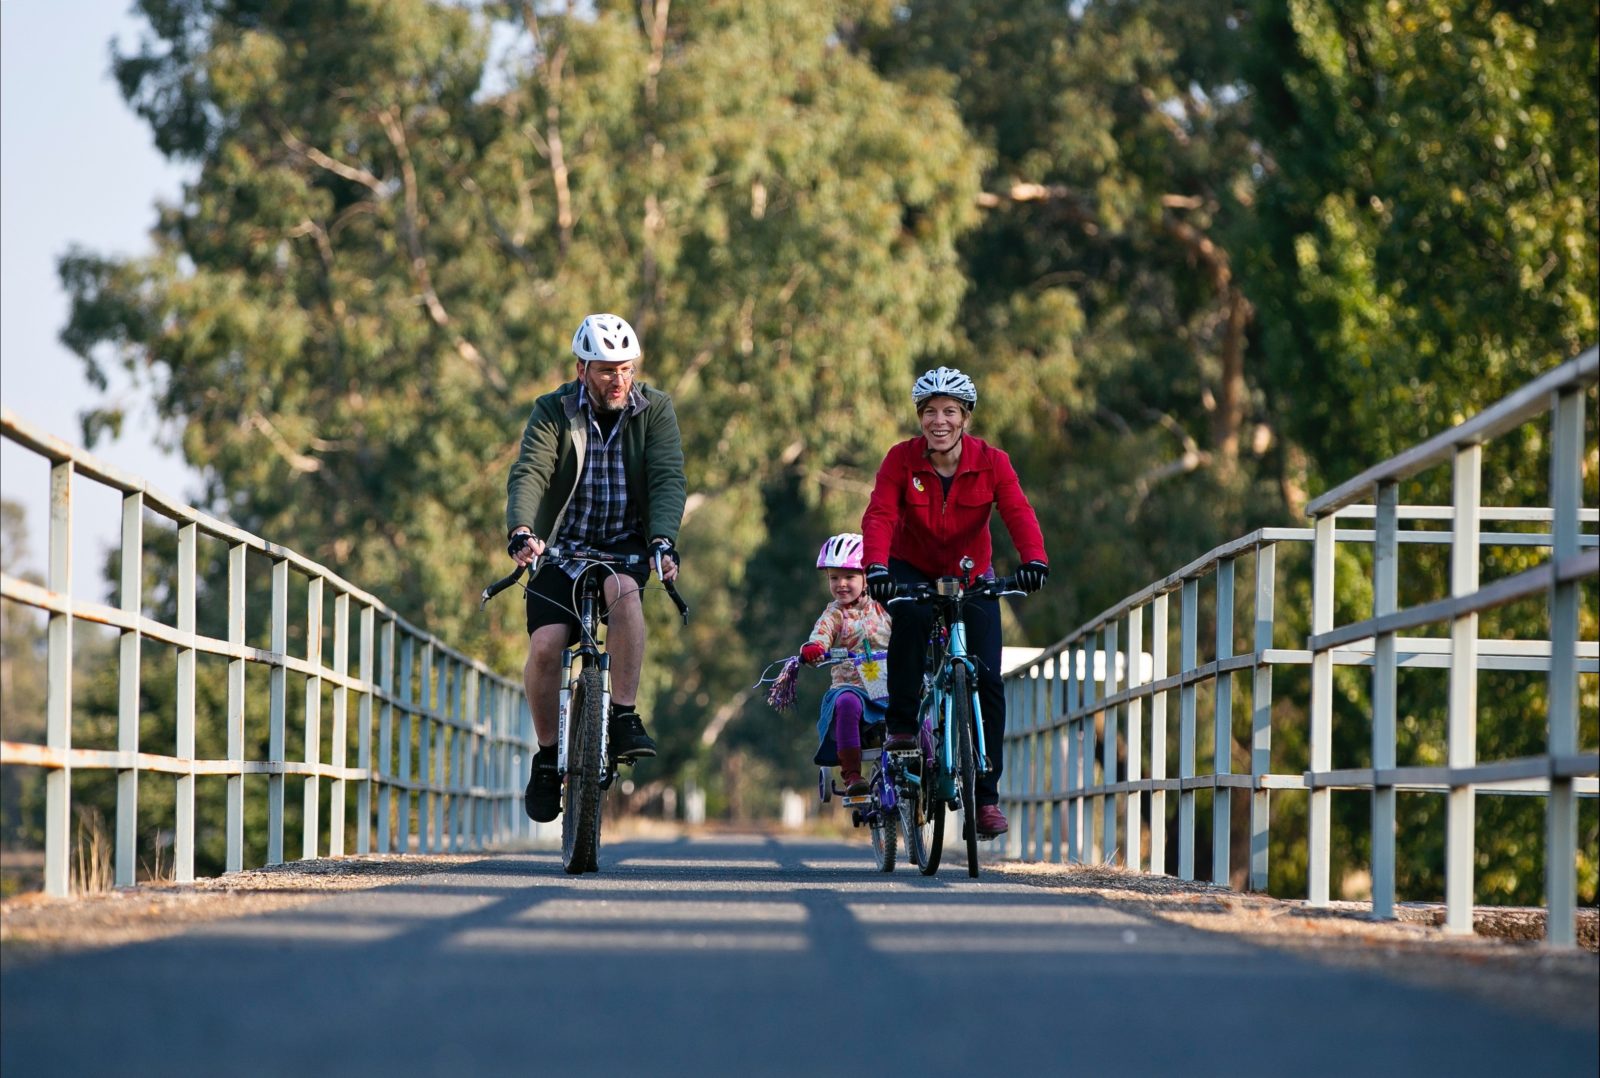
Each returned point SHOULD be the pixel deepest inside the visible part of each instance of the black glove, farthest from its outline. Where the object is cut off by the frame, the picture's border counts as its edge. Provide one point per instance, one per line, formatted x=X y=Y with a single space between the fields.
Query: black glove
x=663 y=546
x=880 y=585
x=1031 y=577
x=518 y=541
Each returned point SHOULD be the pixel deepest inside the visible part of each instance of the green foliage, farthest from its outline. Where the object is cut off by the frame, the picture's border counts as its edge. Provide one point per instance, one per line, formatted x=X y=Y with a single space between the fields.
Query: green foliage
x=1429 y=234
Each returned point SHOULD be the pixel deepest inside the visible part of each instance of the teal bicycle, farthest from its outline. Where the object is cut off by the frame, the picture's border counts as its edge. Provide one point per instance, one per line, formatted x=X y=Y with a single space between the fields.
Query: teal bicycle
x=942 y=772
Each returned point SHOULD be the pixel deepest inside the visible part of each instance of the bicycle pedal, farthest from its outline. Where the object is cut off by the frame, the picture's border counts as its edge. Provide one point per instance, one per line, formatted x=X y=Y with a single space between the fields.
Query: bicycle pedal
x=860 y=799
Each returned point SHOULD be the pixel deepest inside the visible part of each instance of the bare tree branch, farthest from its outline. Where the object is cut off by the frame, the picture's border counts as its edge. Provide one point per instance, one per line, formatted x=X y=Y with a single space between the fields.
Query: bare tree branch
x=411 y=229
x=323 y=160
x=555 y=152
x=725 y=714
x=296 y=460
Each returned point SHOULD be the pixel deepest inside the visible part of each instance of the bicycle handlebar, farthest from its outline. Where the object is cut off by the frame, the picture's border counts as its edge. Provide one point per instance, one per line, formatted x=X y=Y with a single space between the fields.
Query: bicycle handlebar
x=597 y=557
x=979 y=589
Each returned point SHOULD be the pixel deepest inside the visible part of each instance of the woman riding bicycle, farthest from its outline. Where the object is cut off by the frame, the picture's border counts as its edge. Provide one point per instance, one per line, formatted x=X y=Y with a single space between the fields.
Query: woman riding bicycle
x=930 y=507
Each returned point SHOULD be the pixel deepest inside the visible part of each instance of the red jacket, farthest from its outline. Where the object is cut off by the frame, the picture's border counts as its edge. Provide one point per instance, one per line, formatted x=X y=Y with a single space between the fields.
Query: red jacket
x=909 y=517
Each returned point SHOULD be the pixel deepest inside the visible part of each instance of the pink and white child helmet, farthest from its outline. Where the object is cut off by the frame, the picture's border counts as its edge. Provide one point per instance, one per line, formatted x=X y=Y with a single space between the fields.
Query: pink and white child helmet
x=842 y=551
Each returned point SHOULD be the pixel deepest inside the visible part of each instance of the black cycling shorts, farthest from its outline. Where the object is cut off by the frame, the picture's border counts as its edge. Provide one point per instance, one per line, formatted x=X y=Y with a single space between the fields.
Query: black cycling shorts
x=552 y=597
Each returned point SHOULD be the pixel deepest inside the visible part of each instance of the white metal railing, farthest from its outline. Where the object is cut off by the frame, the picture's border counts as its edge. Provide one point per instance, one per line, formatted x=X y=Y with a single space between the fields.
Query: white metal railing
x=469 y=726
x=1069 y=701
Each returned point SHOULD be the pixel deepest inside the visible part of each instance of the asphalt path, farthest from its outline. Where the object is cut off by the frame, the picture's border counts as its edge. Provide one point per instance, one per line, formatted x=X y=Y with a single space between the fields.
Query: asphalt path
x=736 y=955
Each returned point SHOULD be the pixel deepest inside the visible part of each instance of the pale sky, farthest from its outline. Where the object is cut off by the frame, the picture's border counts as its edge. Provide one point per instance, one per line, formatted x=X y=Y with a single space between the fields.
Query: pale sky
x=76 y=167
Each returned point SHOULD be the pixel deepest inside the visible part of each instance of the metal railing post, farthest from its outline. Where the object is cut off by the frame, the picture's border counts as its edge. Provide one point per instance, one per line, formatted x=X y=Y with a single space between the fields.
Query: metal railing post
x=1108 y=749
x=1561 y=813
x=277 y=706
x=311 y=824
x=1058 y=750
x=1385 y=600
x=339 y=743
x=407 y=732
x=1093 y=687
x=1222 y=731
x=1133 y=678
x=130 y=646
x=1074 y=799
x=386 y=790
x=183 y=841
x=364 y=731
x=1320 y=819
x=58 y=688
x=236 y=675
x=1261 y=715
x=1462 y=748
x=1188 y=633
x=1159 y=629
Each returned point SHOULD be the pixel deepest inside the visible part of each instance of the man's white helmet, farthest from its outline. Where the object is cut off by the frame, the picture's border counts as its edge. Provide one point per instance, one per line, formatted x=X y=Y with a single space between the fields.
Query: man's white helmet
x=605 y=338
x=945 y=382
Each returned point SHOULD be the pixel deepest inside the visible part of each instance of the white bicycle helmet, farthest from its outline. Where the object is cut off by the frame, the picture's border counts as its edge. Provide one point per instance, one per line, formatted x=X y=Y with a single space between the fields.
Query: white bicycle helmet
x=605 y=338
x=842 y=551
x=945 y=382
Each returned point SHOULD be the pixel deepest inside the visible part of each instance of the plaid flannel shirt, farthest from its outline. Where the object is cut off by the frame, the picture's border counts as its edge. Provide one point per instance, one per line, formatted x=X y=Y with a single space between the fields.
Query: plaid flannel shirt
x=600 y=511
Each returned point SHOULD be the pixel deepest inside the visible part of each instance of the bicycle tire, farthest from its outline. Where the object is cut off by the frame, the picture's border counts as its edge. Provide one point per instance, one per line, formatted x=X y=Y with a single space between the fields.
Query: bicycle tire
x=966 y=763
x=884 y=841
x=922 y=816
x=580 y=817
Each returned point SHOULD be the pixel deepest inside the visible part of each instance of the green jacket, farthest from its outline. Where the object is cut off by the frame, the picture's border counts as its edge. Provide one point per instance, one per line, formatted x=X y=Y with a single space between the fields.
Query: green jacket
x=550 y=461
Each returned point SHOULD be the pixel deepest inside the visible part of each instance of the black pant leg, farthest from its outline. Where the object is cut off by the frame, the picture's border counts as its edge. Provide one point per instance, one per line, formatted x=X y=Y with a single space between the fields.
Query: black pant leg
x=982 y=619
x=908 y=645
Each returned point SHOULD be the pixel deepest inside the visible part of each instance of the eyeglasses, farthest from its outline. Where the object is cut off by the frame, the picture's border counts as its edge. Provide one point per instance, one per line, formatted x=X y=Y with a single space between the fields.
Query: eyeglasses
x=609 y=373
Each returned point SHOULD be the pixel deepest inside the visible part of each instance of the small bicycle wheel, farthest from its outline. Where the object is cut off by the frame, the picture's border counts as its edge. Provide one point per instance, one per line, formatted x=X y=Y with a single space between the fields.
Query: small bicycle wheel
x=966 y=763
x=883 y=840
x=580 y=816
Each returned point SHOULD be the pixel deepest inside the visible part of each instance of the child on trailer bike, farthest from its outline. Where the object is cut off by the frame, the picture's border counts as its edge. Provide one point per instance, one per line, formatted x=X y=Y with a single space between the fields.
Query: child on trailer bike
x=930 y=507
x=859 y=624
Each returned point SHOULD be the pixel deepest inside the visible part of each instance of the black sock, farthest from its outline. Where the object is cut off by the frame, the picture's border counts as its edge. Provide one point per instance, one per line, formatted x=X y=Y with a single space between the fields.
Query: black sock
x=546 y=755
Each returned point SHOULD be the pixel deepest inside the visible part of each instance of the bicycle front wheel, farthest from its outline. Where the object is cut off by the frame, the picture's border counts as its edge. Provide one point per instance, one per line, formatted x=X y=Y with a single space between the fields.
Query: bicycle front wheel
x=966 y=763
x=580 y=817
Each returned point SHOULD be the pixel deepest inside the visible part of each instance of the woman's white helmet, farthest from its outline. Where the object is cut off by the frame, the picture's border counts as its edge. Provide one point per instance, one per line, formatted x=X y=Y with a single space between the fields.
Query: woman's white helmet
x=841 y=551
x=605 y=338
x=945 y=382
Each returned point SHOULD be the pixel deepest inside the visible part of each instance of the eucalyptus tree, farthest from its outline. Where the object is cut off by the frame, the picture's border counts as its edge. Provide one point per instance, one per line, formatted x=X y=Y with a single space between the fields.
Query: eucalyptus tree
x=400 y=210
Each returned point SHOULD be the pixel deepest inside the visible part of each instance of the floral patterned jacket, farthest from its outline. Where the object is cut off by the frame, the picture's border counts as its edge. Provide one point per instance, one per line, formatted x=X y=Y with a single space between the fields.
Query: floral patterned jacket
x=861 y=627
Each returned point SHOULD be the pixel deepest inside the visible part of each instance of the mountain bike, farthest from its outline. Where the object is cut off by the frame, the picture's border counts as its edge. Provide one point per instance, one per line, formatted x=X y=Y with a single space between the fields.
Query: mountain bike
x=943 y=772
x=583 y=752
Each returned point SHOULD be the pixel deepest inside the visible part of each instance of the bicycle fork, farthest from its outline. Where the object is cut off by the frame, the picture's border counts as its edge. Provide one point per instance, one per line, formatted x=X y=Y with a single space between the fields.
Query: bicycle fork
x=564 y=705
x=958 y=653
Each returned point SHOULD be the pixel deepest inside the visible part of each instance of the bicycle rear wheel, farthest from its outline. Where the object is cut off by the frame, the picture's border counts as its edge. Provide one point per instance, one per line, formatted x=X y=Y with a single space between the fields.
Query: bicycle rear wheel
x=884 y=840
x=580 y=817
x=922 y=816
x=966 y=763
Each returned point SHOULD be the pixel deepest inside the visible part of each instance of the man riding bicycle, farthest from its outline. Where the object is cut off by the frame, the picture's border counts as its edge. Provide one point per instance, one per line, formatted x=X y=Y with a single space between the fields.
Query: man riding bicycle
x=601 y=466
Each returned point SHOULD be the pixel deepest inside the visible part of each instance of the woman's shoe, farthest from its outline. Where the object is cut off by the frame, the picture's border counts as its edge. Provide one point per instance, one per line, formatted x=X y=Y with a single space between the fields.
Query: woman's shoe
x=991 y=821
x=854 y=784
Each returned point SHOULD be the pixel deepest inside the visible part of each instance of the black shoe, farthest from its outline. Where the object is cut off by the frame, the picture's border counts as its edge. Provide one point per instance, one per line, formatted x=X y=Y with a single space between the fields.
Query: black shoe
x=542 y=798
x=628 y=739
x=896 y=742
